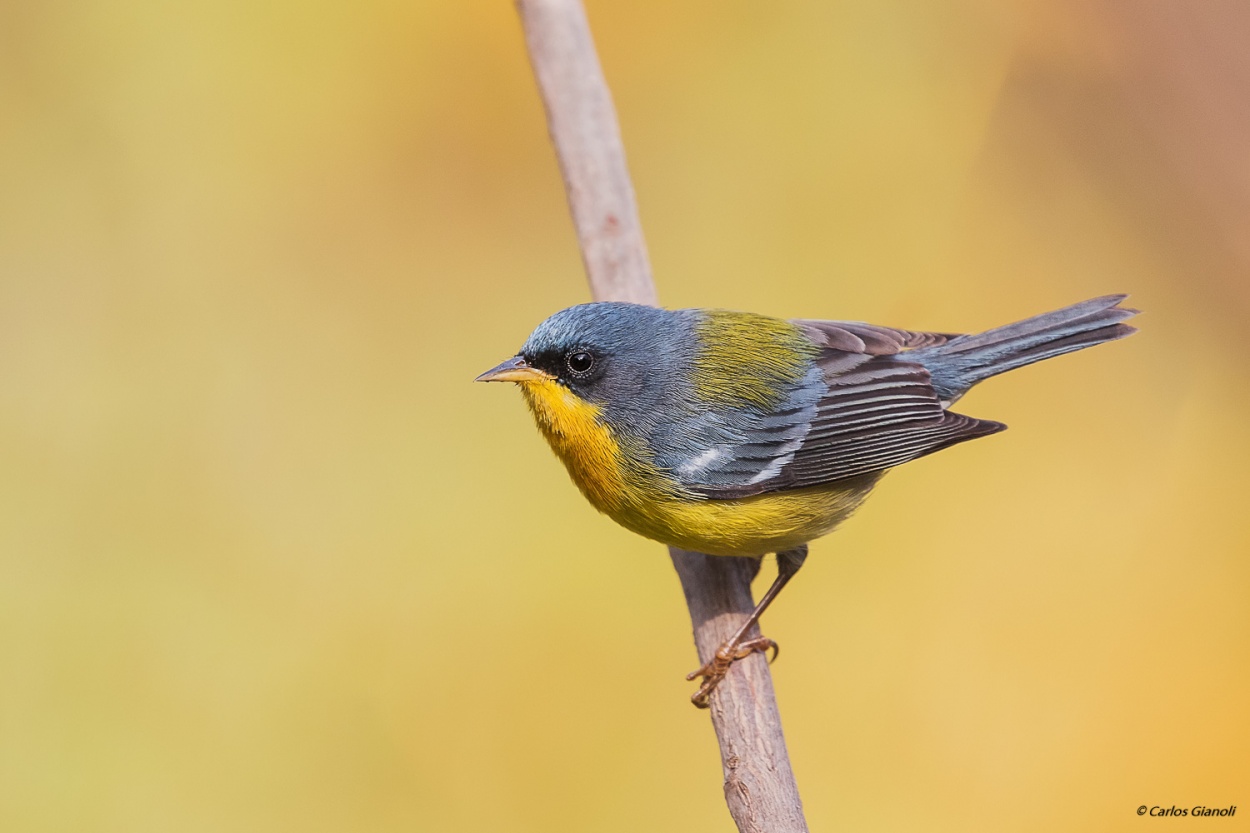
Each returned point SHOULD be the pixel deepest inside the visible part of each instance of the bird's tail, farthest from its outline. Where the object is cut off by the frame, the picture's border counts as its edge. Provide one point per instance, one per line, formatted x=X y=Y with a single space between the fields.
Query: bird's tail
x=965 y=360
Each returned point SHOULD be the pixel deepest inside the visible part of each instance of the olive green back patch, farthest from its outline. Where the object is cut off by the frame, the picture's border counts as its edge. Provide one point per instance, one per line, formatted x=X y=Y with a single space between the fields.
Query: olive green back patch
x=745 y=358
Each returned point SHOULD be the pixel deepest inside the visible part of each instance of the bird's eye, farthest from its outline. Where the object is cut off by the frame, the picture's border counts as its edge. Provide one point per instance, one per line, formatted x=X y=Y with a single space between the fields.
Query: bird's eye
x=580 y=362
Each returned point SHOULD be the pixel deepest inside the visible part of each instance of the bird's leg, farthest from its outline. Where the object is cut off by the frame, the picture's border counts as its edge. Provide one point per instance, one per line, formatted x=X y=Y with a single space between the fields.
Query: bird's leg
x=738 y=646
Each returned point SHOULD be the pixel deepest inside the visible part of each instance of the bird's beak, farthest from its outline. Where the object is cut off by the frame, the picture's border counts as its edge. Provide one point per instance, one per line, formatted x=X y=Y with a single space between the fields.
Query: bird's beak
x=513 y=370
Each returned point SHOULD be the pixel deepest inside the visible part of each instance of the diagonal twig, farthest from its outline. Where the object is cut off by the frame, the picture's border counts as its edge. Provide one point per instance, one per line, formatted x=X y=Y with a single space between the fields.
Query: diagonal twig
x=759 y=783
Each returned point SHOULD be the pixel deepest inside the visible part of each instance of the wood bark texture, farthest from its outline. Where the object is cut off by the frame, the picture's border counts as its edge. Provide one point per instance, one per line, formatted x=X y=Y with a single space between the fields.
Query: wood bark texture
x=759 y=783
x=582 y=121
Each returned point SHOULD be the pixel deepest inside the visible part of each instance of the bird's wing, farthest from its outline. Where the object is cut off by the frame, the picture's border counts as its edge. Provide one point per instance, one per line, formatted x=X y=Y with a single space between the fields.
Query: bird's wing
x=863 y=408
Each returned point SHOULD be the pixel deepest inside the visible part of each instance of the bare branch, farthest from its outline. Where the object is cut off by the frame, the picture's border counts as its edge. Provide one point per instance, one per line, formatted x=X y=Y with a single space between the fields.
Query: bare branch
x=759 y=783
x=582 y=123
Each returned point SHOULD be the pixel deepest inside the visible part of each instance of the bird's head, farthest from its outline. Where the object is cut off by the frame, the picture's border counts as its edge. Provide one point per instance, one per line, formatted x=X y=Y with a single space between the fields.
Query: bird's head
x=612 y=355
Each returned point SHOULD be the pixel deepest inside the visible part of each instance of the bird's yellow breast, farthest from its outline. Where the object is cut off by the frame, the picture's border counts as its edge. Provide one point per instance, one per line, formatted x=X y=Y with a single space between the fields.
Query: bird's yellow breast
x=619 y=478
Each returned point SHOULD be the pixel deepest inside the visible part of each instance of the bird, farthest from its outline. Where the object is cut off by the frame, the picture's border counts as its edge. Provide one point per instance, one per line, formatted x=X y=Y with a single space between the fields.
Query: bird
x=740 y=434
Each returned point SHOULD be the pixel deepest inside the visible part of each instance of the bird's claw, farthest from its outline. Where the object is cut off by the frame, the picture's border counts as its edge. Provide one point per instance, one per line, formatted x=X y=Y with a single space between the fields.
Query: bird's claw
x=718 y=666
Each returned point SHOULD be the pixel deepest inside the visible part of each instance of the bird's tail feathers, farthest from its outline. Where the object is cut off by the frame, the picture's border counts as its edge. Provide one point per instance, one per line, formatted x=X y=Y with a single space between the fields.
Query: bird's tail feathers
x=963 y=361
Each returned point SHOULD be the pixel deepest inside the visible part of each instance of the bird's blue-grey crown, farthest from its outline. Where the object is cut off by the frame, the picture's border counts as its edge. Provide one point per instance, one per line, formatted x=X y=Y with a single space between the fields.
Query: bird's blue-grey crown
x=610 y=326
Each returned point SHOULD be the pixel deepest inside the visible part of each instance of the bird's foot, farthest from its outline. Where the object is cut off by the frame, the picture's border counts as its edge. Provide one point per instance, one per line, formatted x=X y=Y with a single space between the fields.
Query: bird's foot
x=718 y=666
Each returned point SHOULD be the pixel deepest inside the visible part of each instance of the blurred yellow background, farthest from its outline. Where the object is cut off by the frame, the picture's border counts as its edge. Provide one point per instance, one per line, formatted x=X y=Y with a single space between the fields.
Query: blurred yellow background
x=269 y=561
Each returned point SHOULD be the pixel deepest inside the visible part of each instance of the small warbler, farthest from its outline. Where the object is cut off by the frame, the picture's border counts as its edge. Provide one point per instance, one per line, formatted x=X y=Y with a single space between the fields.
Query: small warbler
x=731 y=433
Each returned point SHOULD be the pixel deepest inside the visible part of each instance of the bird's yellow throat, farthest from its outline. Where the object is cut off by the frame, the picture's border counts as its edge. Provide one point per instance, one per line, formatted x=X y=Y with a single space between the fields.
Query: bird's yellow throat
x=577 y=434
x=631 y=490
